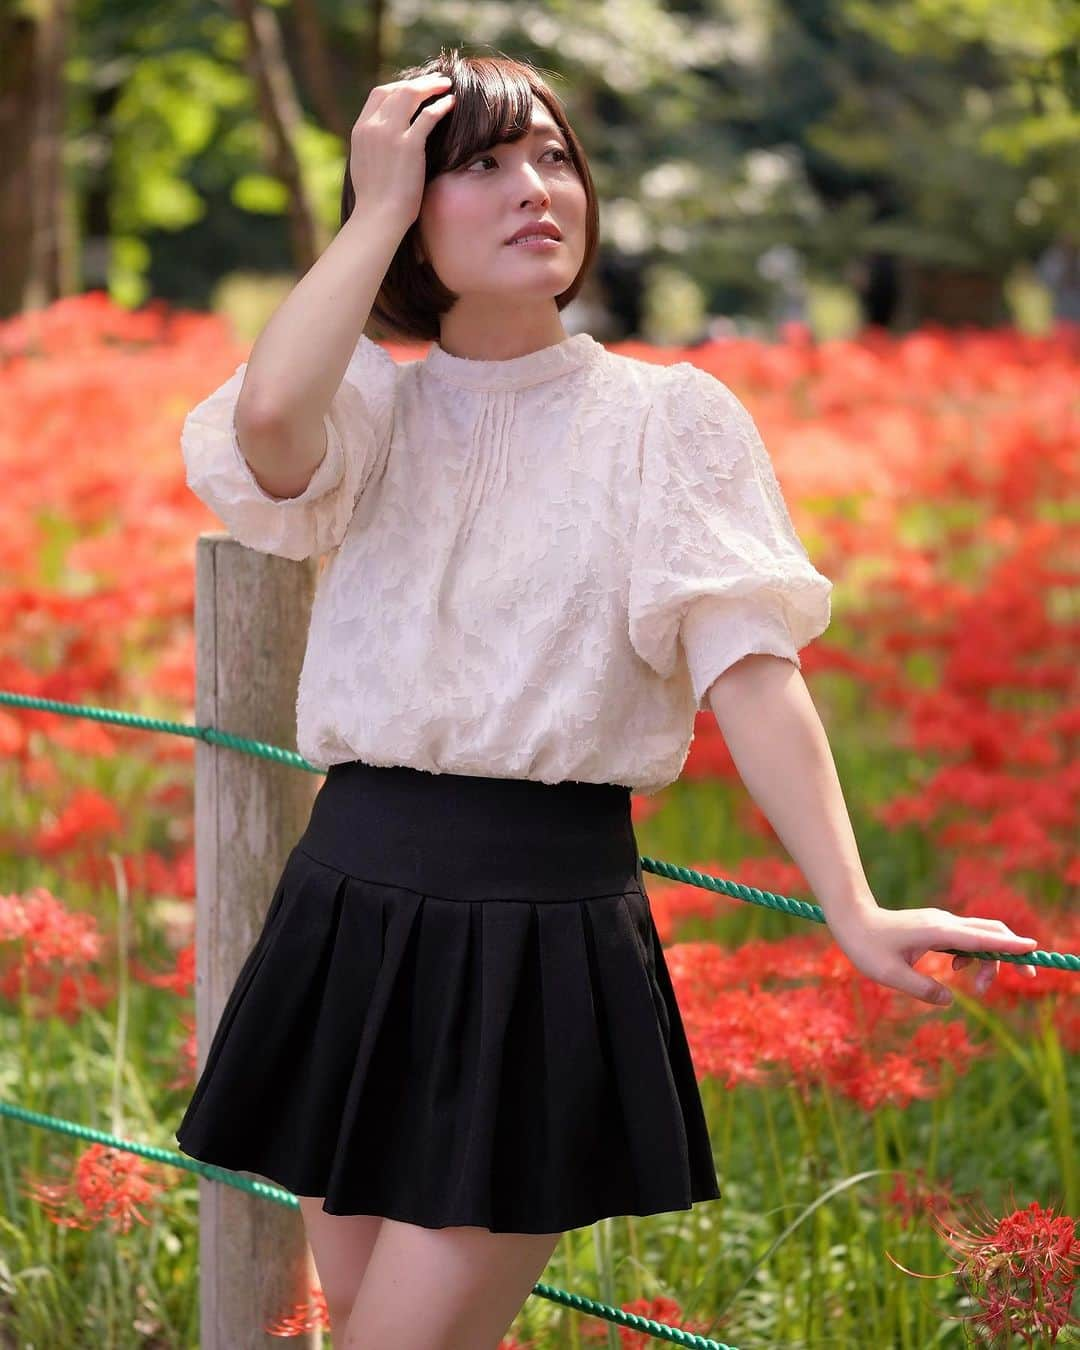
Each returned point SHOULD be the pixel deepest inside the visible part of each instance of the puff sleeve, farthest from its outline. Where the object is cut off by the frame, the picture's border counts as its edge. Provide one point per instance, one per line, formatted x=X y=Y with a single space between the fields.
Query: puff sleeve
x=358 y=424
x=717 y=567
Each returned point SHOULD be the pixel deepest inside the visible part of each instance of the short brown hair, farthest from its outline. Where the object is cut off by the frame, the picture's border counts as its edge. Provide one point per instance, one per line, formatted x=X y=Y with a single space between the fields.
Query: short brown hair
x=494 y=104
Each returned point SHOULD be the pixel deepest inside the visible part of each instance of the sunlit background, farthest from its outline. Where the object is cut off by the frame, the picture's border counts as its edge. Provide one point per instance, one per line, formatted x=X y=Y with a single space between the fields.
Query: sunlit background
x=860 y=215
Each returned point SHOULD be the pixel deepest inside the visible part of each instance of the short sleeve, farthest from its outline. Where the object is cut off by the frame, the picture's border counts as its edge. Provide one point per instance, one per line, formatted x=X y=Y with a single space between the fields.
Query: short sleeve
x=358 y=426
x=717 y=567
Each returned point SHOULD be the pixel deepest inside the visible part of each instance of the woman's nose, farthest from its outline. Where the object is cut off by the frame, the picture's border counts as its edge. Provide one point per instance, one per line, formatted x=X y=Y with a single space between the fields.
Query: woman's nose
x=534 y=184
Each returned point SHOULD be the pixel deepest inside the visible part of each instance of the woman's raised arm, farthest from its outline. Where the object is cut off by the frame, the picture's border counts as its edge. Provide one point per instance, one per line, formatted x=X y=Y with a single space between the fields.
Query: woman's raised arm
x=300 y=357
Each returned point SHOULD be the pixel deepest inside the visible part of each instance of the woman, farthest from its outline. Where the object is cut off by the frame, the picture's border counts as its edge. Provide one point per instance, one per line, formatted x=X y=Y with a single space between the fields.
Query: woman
x=456 y=1037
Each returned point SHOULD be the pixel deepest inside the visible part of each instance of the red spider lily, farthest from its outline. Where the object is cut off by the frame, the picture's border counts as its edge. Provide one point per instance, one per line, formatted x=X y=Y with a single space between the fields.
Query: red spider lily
x=107 y=1186
x=87 y=818
x=47 y=961
x=1021 y=1270
x=865 y=1041
x=314 y=1315
x=48 y=931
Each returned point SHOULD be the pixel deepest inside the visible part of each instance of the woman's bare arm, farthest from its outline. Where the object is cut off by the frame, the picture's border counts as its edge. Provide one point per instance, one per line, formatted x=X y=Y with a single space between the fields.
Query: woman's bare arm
x=776 y=738
x=779 y=746
x=300 y=357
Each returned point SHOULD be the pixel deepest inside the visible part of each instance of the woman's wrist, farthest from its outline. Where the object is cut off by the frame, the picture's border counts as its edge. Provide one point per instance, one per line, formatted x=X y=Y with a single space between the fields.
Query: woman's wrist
x=848 y=906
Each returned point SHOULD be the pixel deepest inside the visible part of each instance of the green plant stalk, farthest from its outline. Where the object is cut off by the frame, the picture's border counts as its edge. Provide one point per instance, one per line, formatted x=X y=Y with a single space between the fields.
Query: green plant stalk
x=1056 y=1091
x=815 y=1313
x=32 y=1072
x=765 y=1097
x=766 y=1257
x=975 y=1009
x=931 y=1179
x=689 y=1275
x=5 y=1161
x=727 y=1115
x=122 y=983
x=808 y=1129
x=605 y=1276
x=903 y=1163
x=862 y=1260
x=885 y=1126
x=632 y=1243
x=572 y=1319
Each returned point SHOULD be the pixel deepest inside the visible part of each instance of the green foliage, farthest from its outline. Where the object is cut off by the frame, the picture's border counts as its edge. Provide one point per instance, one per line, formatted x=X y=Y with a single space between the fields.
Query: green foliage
x=943 y=131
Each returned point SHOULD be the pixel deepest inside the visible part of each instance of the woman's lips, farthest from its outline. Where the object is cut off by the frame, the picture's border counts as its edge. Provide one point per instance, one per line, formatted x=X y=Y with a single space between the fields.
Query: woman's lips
x=539 y=242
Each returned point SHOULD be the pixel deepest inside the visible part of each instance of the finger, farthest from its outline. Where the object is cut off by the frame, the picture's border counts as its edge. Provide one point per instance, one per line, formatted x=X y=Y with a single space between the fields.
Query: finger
x=419 y=87
x=960 y=962
x=923 y=987
x=436 y=107
x=985 y=977
x=423 y=82
x=994 y=926
x=969 y=939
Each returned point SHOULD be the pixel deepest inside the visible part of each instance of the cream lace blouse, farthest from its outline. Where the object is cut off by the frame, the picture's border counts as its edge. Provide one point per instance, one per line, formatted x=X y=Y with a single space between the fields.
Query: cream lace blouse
x=536 y=566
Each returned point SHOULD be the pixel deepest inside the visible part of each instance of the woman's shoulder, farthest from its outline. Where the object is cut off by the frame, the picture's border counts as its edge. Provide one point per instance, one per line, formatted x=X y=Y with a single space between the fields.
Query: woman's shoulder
x=631 y=368
x=633 y=379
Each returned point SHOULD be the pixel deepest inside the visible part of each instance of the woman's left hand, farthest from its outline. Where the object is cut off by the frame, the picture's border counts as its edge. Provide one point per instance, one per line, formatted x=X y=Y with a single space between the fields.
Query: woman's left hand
x=885 y=943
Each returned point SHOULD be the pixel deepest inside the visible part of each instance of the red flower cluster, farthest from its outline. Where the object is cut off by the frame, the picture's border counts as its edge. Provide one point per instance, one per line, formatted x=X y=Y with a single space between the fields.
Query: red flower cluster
x=1021 y=1270
x=107 y=1185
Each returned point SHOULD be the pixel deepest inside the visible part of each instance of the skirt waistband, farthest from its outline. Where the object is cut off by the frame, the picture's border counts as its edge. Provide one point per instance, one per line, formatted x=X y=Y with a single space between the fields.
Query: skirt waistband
x=474 y=838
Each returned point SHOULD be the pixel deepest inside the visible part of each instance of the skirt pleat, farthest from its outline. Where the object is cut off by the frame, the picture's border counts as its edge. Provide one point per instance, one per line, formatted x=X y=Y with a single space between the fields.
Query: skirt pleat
x=453 y=1054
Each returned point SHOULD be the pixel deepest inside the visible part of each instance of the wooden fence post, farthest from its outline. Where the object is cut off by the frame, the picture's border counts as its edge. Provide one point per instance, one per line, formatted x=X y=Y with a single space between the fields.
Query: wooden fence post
x=251 y=618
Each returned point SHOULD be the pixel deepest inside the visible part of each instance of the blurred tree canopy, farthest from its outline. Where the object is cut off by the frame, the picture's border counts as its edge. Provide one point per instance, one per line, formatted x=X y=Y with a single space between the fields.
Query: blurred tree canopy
x=918 y=149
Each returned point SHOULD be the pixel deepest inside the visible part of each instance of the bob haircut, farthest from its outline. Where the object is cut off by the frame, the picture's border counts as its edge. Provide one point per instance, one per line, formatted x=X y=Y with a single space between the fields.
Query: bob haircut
x=494 y=104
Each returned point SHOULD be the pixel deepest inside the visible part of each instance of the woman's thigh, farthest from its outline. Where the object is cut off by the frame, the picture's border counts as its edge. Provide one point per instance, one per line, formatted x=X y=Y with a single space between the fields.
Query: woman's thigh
x=341 y=1245
x=445 y=1288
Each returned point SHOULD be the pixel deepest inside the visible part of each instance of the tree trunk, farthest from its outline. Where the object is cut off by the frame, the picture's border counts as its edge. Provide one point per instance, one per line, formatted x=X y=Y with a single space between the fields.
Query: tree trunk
x=317 y=66
x=281 y=116
x=35 y=261
x=952 y=297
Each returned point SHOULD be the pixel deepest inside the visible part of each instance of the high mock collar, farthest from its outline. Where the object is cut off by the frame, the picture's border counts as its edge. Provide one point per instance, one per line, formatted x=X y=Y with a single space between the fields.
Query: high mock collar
x=516 y=372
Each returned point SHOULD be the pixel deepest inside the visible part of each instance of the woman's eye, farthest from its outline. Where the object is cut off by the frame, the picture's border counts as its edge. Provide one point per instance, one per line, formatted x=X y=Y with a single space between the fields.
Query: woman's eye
x=555 y=150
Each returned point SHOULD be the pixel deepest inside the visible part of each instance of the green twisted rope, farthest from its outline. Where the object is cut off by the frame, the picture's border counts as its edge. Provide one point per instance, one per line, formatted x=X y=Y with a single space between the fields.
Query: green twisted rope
x=800 y=908
x=659 y=1330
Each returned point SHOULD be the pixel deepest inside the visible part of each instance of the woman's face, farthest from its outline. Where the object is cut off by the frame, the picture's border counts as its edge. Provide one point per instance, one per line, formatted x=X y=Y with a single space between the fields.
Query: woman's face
x=469 y=213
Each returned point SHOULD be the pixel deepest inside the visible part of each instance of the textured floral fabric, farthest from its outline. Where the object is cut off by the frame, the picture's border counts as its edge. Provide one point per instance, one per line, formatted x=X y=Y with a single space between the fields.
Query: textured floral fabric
x=535 y=567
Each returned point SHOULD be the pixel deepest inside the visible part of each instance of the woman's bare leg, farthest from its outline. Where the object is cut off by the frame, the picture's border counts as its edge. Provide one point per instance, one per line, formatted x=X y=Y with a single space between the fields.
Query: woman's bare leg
x=444 y=1288
x=341 y=1245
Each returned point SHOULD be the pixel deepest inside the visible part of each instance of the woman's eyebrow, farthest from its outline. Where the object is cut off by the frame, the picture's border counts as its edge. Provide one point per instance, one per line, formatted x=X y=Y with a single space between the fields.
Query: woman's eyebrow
x=546 y=130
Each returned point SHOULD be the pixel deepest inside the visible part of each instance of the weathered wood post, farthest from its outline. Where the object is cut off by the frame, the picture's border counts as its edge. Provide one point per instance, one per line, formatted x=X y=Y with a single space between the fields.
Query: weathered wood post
x=251 y=619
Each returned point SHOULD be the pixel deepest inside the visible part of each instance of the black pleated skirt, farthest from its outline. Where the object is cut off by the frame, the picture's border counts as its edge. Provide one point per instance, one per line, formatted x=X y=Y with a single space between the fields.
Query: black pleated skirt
x=458 y=1012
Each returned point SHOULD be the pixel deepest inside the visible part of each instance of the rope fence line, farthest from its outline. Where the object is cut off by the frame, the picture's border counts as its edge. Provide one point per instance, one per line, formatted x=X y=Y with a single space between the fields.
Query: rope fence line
x=659 y=1330
x=801 y=909
x=212 y=735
